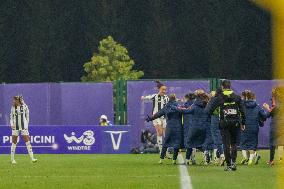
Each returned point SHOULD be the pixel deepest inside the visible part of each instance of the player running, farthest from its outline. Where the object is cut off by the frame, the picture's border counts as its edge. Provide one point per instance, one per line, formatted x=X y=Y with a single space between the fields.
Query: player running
x=19 y=121
x=159 y=102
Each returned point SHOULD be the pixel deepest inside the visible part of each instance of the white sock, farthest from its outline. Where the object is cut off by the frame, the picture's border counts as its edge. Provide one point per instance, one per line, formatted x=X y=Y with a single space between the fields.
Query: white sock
x=30 y=150
x=251 y=156
x=280 y=152
x=244 y=152
x=160 y=142
x=13 y=149
x=215 y=154
x=193 y=154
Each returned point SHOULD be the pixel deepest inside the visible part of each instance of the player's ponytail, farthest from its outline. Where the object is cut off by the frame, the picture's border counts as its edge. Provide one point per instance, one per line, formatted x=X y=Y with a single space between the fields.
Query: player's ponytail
x=159 y=84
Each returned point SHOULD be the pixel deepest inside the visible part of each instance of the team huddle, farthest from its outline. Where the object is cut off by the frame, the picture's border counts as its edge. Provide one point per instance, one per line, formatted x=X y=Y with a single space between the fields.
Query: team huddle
x=215 y=123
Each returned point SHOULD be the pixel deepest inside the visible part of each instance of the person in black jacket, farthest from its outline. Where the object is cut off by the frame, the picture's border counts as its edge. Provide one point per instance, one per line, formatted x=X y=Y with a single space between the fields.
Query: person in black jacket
x=232 y=118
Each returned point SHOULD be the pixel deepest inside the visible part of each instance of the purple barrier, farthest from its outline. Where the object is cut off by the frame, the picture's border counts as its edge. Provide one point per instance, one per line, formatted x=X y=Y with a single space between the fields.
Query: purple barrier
x=262 y=89
x=137 y=109
x=36 y=97
x=60 y=104
x=80 y=104
x=71 y=140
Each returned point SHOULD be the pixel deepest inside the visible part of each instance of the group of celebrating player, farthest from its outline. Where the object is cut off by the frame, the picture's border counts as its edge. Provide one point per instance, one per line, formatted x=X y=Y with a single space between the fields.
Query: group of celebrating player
x=215 y=123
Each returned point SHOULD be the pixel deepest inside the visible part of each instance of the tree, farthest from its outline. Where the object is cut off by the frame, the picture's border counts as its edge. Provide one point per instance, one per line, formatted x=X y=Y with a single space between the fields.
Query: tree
x=111 y=63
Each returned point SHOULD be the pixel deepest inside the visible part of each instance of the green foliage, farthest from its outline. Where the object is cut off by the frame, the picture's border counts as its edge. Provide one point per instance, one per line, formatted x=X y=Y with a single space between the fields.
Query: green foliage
x=111 y=63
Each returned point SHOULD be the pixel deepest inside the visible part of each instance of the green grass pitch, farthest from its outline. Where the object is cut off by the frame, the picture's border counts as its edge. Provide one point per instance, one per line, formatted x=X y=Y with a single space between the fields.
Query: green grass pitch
x=126 y=171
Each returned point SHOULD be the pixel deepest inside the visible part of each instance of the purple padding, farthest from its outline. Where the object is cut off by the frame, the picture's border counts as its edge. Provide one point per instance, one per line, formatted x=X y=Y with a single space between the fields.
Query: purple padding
x=262 y=89
x=2 y=111
x=60 y=104
x=137 y=109
x=36 y=97
x=81 y=104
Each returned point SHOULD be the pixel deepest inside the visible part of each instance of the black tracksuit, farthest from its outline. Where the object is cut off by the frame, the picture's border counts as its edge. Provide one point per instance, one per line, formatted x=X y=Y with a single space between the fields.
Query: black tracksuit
x=229 y=130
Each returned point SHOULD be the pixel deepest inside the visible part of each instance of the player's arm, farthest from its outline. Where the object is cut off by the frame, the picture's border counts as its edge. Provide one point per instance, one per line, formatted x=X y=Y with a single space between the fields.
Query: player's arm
x=157 y=115
x=12 y=118
x=212 y=105
x=189 y=110
x=148 y=97
x=27 y=112
x=241 y=107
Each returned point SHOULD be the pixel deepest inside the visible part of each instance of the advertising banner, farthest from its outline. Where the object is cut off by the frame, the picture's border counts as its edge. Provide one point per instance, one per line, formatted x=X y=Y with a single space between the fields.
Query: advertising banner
x=71 y=140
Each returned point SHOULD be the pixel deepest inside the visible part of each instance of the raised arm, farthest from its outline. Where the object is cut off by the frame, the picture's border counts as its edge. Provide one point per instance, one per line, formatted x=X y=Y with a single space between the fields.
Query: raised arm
x=148 y=97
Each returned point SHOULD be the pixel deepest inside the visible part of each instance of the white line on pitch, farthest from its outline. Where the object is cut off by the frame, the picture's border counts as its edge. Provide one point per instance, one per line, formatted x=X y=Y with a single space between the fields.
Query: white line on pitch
x=184 y=176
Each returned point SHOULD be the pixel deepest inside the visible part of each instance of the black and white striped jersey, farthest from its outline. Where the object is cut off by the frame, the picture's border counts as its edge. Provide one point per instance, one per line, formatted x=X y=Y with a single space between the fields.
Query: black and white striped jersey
x=19 y=117
x=158 y=101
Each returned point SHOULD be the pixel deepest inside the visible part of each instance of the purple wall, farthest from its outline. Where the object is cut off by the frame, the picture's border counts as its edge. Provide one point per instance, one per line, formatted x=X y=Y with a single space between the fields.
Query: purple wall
x=60 y=103
x=137 y=109
x=36 y=97
x=262 y=89
x=75 y=104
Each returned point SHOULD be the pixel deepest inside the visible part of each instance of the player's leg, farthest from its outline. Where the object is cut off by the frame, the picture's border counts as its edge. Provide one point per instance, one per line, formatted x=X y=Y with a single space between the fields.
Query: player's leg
x=160 y=132
x=175 y=155
x=245 y=158
x=26 y=138
x=234 y=133
x=163 y=154
x=222 y=155
x=257 y=157
x=15 y=135
x=272 y=154
x=252 y=154
x=280 y=152
x=227 y=148
x=188 y=155
x=192 y=157
x=164 y=126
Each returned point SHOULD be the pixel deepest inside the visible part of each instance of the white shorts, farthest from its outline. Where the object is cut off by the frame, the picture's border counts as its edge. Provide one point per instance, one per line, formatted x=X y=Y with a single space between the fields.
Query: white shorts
x=24 y=132
x=160 y=121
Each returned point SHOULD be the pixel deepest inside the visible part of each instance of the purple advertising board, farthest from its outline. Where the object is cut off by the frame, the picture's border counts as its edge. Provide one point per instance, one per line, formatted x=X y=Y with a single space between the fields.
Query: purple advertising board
x=262 y=90
x=36 y=97
x=137 y=110
x=71 y=139
x=60 y=103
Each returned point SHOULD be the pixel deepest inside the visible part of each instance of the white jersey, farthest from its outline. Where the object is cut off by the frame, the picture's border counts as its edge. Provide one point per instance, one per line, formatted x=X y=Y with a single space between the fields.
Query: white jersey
x=19 y=117
x=158 y=101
